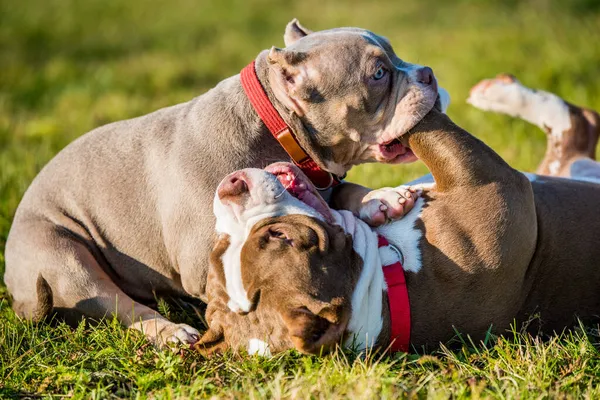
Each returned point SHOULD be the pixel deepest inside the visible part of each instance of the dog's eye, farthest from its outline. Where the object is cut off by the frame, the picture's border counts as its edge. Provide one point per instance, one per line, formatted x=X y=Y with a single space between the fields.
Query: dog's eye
x=279 y=235
x=380 y=73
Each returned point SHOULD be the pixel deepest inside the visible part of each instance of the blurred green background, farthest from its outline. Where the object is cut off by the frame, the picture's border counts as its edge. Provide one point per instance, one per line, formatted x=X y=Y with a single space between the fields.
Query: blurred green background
x=68 y=66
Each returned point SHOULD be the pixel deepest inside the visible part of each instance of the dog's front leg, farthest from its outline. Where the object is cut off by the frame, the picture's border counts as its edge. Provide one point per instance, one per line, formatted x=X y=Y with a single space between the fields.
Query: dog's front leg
x=55 y=270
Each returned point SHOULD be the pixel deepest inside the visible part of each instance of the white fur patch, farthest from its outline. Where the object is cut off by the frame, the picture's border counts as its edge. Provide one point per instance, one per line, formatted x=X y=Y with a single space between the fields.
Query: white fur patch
x=554 y=166
x=259 y=348
x=406 y=236
x=238 y=298
x=390 y=255
x=543 y=109
x=366 y=320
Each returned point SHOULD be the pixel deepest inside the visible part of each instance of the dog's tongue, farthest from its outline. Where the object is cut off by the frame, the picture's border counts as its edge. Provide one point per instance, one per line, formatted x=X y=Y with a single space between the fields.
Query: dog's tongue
x=393 y=149
x=301 y=189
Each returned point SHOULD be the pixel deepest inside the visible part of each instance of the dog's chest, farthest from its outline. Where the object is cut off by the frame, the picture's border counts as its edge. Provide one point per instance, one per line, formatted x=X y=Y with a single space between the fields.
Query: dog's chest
x=405 y=235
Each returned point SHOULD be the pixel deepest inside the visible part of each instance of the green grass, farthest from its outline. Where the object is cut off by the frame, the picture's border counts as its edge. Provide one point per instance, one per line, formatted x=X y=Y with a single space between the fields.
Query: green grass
x=68 y=66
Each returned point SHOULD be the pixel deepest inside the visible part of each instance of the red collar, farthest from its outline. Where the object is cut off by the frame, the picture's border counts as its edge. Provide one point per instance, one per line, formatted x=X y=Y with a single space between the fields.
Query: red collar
x=399 y=303
x=282 y=132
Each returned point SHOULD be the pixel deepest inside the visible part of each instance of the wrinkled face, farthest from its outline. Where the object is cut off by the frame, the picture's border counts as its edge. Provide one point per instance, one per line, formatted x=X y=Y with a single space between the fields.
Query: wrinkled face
x=286 y=273
x=355 y=94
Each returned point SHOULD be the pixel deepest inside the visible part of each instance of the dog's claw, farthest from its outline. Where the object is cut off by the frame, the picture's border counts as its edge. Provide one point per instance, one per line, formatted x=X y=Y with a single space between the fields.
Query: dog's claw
x=175 y=336
x=387 y=204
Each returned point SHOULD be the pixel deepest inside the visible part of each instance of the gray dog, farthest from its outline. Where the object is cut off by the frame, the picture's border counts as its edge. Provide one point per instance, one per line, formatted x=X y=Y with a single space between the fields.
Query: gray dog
x=123 y=214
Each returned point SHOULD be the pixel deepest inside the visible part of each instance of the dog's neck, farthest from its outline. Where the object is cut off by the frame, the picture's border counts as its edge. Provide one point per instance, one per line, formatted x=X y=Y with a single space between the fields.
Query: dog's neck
x=367 y=322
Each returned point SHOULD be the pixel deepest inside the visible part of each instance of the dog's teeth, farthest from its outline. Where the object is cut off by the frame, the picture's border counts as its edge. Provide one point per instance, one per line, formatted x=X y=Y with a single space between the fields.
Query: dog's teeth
x=289 y=177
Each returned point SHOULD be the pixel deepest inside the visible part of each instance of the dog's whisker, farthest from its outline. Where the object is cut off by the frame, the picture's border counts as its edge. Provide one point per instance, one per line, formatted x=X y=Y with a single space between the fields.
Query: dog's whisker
x=284 y=190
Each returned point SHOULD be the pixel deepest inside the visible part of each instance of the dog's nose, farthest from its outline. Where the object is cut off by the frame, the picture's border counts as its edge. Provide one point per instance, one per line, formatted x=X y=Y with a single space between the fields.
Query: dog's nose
x=425 y=75
x=233 y=186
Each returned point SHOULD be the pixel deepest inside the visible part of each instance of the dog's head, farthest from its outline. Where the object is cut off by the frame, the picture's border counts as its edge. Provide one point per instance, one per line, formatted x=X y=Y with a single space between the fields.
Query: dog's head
x=282 y=272
x=354 y=95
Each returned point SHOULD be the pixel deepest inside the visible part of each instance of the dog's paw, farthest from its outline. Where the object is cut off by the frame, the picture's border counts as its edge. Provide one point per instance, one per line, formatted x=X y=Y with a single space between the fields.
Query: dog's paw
x=387 y=204
x=503 y=94
x=178 y=334
x=164 y=333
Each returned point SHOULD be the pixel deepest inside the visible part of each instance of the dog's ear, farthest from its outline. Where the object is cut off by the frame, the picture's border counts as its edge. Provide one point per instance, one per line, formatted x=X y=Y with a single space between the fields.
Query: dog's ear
x=312 y=327
x=219 y=247
x=288 y=75
x=294 y=31
x=213 y=341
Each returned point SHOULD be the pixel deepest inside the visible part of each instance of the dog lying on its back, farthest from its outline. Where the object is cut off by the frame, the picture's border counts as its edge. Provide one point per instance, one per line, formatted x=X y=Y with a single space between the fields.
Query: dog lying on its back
x=484 y=247
x=122 y=214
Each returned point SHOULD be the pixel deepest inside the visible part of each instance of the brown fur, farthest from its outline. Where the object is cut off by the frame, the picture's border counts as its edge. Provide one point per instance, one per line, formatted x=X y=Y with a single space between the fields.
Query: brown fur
x=578 y=142
x=497 y=248
x=299 y=272
x=480 y=233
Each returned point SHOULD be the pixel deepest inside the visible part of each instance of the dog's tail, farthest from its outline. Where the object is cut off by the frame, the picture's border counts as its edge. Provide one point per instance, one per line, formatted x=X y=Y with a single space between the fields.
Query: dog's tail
x=45 y=300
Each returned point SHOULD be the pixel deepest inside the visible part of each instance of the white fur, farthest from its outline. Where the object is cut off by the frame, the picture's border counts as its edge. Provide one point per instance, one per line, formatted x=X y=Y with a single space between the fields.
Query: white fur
x=554 y=166
x=238 y=298
x=543 y=109
x=406 y=236
x=258 y=347
x=390 y=255
x=366 y=320
x=585 y=170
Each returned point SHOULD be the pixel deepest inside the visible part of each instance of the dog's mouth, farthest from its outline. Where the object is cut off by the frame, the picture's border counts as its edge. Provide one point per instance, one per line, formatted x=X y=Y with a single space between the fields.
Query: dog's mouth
x=299 y=186
x=396 y=152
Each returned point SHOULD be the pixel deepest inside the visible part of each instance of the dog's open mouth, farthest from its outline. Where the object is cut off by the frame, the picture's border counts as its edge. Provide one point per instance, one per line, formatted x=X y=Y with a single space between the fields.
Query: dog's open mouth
x=395 y=152
x=299 y=186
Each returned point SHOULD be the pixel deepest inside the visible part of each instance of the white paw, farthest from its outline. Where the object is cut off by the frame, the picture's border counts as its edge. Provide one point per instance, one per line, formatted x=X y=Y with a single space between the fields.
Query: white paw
x=179 y=334
x=502 y=94
x=387 y=204
x=164 y=333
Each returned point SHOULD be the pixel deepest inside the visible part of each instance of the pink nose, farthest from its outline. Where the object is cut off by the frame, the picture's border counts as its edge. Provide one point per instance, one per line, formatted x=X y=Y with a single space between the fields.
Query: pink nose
x=425 y=75
x=234 y=186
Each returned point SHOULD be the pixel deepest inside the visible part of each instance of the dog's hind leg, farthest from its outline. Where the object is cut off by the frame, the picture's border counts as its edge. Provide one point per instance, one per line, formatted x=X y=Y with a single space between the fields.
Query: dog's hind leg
x=49 y=268
x=572 y=131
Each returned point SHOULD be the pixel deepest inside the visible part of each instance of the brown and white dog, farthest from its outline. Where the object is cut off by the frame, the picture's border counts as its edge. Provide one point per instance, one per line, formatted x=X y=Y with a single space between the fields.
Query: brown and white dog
x=572 y=131
x=484 y=246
